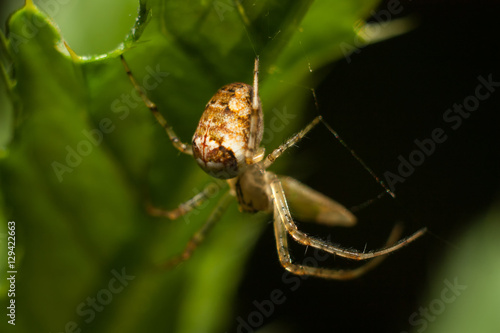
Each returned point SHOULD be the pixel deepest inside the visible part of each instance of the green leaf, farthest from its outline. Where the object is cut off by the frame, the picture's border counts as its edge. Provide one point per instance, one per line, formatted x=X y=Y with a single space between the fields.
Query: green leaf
x=82 y=154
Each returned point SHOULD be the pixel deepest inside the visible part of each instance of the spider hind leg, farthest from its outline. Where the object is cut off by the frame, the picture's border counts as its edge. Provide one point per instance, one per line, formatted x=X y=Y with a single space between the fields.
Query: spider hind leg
x=176 y=142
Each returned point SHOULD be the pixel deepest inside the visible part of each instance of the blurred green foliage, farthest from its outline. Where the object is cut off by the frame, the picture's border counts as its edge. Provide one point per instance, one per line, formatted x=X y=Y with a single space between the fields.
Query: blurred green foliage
x=80 y=156
x=464 y=293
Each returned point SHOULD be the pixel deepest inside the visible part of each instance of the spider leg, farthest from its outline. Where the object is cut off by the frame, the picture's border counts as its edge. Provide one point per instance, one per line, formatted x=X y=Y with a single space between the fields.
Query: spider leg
x=290 y=142
x=304 y=239
x=309 y=205
x=254 y=117
x=184 y=207
x=199 y=236
x=176 y=142
x=327 y=273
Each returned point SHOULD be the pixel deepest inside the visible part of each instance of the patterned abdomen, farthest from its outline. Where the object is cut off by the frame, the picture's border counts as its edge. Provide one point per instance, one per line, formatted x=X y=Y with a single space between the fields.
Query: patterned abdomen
x=221 y=139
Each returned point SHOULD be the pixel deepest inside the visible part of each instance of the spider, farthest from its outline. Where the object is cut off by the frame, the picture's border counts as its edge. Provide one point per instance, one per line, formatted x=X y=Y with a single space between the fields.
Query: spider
x=226 y=145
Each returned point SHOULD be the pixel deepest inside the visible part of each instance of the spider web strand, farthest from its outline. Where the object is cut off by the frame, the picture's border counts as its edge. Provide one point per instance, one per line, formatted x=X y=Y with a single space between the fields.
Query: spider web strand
x=353 y=153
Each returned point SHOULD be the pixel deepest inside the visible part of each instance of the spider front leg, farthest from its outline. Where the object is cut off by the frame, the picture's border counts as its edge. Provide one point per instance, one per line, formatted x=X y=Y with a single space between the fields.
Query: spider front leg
x=304 y=239
x=176 y=142
x=327 y=273
x=284 y=225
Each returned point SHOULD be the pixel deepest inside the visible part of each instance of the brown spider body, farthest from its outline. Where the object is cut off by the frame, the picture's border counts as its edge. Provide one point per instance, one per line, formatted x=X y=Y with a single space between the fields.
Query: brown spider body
x=221 y=139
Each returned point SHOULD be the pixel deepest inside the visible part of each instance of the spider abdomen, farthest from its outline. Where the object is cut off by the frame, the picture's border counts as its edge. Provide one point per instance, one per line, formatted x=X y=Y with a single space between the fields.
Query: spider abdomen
x=221 y=138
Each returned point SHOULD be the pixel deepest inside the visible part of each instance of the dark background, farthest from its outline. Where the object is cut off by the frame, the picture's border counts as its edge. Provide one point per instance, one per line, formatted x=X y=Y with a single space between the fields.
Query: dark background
x=385 y=97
